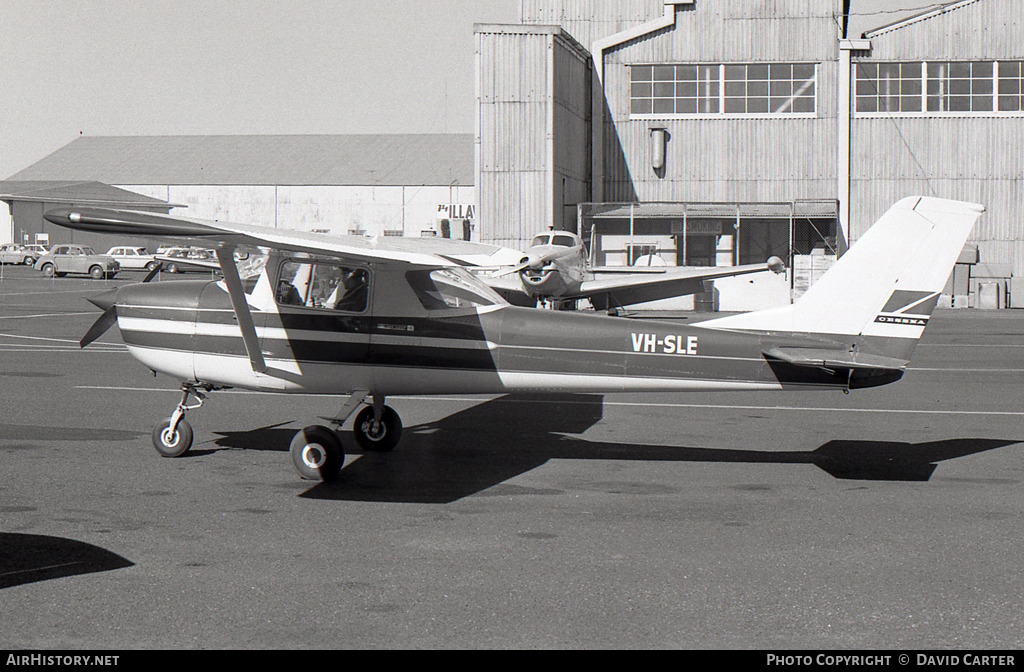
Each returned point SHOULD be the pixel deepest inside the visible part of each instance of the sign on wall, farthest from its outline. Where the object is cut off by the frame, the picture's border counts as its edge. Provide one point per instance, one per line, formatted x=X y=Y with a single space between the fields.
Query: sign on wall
x=455 y=220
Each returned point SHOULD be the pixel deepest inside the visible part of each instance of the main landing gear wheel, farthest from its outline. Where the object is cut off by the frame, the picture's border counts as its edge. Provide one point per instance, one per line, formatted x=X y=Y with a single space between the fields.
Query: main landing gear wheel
x=377 y=437
x=172 y=443
x=317 y=453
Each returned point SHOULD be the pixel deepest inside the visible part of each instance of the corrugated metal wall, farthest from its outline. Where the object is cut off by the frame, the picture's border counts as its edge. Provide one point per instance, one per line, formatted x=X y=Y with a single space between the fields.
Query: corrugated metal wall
x=771 y=159
x=589 y=20
x=512 y=134
x=570 y=132
x=974 y=158
x=532 y=130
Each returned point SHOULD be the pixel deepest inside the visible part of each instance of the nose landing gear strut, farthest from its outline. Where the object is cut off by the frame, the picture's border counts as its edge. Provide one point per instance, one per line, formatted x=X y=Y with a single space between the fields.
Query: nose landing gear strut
x=172 y=437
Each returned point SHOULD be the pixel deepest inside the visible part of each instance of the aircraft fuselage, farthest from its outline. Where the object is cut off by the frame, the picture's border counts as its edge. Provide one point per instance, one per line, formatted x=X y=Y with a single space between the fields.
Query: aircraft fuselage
x=188 y=330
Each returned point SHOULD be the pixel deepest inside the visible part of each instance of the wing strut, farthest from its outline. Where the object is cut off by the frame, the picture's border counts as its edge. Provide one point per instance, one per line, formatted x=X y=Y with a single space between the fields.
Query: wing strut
x=225 y=255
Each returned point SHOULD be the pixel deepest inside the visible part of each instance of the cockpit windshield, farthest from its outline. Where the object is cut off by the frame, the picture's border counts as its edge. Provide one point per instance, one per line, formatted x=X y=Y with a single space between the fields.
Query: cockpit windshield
x=561 y=240
x=452 y=287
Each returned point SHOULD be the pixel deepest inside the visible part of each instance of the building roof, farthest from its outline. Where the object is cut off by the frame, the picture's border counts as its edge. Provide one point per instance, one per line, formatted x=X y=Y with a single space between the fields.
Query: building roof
x=783 y=210
x=79 y=193
x=905 y=17
x=370 y=160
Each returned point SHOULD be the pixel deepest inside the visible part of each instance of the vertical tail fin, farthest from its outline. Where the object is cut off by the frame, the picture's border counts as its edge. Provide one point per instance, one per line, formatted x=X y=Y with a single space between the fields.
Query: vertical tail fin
x=886 y=284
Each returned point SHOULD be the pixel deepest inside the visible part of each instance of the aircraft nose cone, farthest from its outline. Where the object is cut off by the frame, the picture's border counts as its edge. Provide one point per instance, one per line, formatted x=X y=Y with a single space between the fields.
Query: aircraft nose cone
x=105 y=300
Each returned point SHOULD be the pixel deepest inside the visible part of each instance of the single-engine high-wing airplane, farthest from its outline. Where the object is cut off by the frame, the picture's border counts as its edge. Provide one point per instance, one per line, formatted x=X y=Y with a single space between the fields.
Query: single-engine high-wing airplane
x=350 y=316
x=556 y=271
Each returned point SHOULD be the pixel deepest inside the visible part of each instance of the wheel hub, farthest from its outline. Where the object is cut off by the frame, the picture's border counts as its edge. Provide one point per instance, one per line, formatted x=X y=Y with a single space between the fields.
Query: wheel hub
x=313 y=455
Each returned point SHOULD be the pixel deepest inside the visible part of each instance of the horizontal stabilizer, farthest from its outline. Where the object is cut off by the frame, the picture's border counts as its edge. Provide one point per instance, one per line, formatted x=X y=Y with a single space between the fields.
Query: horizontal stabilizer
x=835 y=359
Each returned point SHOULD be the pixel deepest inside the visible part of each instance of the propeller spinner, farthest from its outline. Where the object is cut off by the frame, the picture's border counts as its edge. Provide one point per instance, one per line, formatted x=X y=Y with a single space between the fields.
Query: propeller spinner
x=107 y=302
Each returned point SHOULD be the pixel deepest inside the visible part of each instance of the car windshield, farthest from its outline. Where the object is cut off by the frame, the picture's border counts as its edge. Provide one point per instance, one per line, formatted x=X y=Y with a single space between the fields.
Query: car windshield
x=87 y=250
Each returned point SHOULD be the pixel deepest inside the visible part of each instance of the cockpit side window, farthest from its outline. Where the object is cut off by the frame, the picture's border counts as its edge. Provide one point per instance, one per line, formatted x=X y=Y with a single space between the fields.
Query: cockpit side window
x=541 y=240
x=564 y=241
x=451 y=288
x=323 y=284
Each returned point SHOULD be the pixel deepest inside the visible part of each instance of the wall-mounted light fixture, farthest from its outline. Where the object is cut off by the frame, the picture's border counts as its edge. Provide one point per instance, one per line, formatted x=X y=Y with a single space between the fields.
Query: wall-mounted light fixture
x=659 y=138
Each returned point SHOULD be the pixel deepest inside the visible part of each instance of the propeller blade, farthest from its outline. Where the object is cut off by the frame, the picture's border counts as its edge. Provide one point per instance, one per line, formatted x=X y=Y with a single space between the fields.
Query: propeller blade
x=152 y=273
x=512 y=269
x=100 y=326
x=534 y=261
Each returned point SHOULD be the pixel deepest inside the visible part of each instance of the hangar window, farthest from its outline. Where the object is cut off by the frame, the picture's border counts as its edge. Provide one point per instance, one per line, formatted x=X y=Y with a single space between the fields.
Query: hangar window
x=939 y=88
x=724 y=89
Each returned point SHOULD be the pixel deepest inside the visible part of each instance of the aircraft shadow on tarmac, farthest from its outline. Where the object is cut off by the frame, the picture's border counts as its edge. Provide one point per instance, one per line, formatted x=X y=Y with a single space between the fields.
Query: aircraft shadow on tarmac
x=44 y=433
x=488 y=444
x=27 y=558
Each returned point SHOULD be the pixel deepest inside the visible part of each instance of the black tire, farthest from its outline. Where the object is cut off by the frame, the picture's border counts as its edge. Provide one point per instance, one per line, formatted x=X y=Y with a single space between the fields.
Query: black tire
x=172 y=268
x=151 y=266
x=317 y=453
x=96 y=272
x=49 y=270
x=387 y=436
x=174 y=445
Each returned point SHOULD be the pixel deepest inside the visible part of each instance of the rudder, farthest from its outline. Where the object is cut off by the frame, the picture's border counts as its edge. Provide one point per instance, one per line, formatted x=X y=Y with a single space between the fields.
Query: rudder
x=886 y=284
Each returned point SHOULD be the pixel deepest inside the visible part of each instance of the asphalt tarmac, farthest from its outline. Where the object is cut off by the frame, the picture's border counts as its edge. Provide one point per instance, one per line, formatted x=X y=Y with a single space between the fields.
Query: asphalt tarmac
x=890 y=518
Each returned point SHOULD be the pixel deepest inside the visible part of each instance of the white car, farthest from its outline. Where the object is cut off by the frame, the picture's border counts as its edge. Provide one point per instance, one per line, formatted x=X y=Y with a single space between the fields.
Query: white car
x=12 y=253
x=38 y=249
x=133 y=258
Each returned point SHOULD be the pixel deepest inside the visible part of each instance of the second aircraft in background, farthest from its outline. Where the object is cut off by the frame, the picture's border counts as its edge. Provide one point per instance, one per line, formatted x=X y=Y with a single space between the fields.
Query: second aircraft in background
x=556 y=271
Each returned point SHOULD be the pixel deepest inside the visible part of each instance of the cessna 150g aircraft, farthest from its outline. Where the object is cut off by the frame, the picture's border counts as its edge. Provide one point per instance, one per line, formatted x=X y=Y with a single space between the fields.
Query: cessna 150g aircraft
x=352 y=317
x=556 y=271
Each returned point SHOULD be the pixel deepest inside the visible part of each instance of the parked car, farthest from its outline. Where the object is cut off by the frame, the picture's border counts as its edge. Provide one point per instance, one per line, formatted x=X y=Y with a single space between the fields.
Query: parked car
x=181 y=259
x=37 y=249
x=64 y=259
x=133 y=258
x=12 y=253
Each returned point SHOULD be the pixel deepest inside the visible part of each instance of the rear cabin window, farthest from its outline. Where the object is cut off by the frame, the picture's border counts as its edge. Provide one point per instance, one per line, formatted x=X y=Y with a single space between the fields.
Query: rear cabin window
x=319 y=284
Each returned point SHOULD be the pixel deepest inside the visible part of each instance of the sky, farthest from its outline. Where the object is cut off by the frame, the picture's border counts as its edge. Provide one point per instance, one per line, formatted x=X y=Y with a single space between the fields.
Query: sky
x=181 y=67
x=237 y=67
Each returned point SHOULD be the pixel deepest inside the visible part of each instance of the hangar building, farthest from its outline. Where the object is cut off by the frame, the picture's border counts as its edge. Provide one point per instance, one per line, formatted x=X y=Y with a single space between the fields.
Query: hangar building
x=713 y=132
x=391 y=185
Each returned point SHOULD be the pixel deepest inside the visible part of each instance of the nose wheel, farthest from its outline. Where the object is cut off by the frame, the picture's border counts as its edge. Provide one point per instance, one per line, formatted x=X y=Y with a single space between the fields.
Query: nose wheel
x=172 y=437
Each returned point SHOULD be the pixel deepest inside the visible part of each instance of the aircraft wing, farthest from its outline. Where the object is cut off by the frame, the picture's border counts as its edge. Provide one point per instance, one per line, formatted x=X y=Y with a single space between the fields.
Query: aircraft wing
x=160 y=226
x=630 y=285
x=193 y=263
